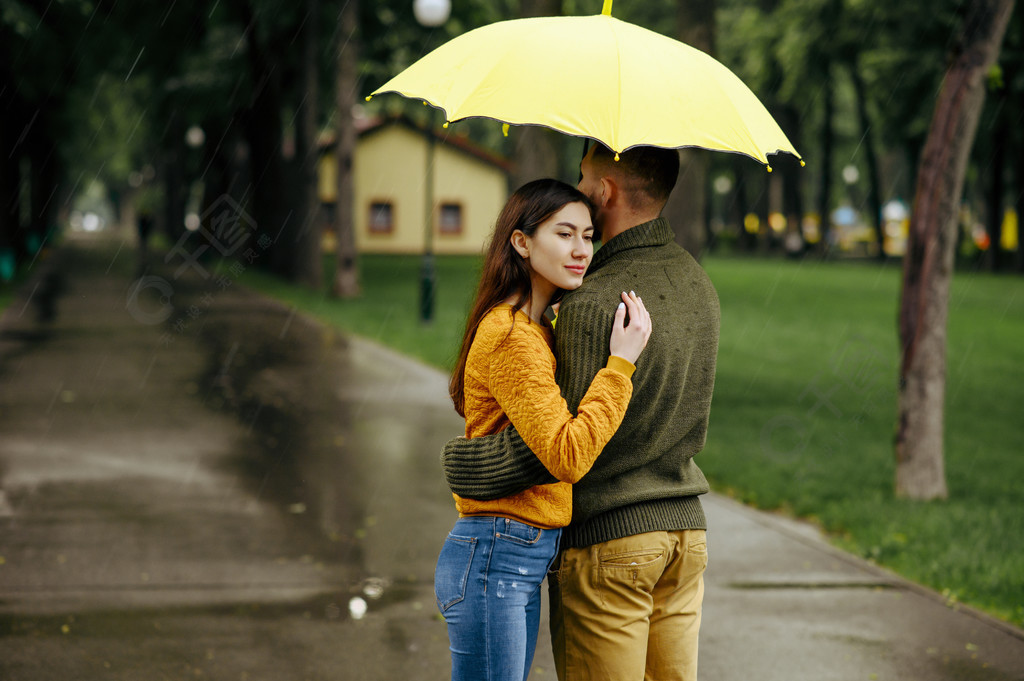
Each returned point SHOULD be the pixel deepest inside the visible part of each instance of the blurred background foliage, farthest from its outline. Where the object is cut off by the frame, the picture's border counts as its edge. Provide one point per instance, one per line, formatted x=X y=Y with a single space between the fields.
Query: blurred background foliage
x=105 y=92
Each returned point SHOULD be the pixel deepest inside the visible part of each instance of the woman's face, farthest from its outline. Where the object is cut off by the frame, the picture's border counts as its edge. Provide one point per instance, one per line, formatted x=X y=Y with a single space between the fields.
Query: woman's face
x=560 y=249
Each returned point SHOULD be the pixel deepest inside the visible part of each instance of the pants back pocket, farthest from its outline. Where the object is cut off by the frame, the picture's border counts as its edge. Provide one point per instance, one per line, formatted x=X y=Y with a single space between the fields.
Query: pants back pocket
x=452 y=573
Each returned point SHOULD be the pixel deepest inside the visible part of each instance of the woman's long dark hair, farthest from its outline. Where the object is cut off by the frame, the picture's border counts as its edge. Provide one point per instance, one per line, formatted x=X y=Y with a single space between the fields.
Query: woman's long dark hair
x=505 y=273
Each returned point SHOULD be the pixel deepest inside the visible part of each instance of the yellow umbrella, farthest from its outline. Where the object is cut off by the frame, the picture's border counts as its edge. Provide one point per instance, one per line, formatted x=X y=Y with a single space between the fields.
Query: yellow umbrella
x=596 y=77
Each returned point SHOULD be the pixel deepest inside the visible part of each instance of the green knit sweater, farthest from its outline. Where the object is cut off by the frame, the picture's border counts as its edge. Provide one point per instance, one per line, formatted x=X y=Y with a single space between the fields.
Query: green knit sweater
x=645 y=479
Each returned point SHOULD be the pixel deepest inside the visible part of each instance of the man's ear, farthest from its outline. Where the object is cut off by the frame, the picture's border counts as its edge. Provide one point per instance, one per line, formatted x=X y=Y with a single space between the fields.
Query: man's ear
x=609 y=192
x=520 y=243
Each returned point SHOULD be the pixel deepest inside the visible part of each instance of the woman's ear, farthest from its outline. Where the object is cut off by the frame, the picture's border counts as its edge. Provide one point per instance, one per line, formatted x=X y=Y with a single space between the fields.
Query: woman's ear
x=520 y=243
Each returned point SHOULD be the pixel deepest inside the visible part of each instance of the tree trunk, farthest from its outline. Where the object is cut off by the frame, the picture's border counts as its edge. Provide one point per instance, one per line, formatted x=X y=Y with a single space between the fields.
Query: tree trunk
x=9 y=247
x=9 y=174
x=129 y=214
x=173 y=221
x=825 y=172
x=760 y=205
x=13 y=154
x=870 y=156
x=1019 y=206
x=1018 y=178
x=307 y=265
x=791 y=173
x=537 y=154
x=1015 y=100
x=7 y=169
x=994 y=214
x=745 y=240
x=42 y=176
x=928 y=265
x=346 y=275
x=687 y=205
x=1000 y=136
x=263 y=131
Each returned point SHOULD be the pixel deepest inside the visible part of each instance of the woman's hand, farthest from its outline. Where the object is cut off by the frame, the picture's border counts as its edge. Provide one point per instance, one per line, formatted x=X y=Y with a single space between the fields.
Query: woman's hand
x=629 y=341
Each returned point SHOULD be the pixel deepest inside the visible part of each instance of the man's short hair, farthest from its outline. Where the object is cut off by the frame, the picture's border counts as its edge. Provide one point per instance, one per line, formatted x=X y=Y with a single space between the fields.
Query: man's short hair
x=647 y=173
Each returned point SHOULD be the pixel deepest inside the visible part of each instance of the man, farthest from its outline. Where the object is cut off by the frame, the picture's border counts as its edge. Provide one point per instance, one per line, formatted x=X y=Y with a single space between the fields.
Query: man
x=627 y=587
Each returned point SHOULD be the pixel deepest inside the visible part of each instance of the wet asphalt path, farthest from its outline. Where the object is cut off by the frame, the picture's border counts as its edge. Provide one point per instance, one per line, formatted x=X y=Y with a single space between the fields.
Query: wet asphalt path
x=204 y=499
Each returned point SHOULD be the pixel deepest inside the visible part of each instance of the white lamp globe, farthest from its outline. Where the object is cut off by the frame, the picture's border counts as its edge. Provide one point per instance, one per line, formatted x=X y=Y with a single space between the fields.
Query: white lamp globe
x=431 y=12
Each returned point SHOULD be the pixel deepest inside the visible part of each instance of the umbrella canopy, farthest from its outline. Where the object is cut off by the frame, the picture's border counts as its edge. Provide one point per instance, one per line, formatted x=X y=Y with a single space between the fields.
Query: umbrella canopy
x=596 y=77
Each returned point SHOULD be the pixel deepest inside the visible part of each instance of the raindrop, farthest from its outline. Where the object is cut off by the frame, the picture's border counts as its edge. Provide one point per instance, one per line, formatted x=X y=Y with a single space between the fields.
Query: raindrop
x=373 y=588
x=195 y=136
x=357 y=608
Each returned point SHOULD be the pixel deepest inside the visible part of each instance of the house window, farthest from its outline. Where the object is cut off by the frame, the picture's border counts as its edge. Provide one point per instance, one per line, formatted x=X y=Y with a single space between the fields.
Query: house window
x=451 y=218
x=381 y=217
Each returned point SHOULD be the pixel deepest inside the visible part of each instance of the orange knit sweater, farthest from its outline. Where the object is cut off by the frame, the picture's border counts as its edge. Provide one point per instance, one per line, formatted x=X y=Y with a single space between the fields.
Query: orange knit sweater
x=510 y=378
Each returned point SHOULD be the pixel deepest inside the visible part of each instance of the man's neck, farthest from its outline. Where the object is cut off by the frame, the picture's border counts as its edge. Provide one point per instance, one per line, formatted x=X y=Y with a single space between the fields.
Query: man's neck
x=616 y=225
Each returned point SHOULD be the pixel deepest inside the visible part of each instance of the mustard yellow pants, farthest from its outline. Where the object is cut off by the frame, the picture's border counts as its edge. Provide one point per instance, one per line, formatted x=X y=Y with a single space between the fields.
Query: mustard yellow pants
x=629 y=609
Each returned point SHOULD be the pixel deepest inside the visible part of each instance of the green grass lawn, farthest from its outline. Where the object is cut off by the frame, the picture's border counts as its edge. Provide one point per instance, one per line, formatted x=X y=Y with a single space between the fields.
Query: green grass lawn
x=804 y=411
x=804 y=414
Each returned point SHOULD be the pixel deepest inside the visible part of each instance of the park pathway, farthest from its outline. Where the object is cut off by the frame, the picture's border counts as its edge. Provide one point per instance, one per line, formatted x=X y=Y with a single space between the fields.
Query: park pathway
x=198 y=482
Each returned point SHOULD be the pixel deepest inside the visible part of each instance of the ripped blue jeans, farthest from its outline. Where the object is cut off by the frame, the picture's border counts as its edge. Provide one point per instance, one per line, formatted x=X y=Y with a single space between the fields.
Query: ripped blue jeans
x=487 y=585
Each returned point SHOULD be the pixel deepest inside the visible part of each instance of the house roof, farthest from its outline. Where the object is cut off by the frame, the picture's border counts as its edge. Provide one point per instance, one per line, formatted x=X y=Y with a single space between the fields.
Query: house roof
x=370 y=126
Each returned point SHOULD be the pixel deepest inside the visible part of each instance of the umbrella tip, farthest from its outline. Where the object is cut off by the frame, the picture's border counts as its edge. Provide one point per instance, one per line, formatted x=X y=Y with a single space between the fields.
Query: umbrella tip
x=802 y=164
x=616 y=156
x=769 y=168
x=445 y=126
x=504 y=129
x=369 y=97
x=607 y=9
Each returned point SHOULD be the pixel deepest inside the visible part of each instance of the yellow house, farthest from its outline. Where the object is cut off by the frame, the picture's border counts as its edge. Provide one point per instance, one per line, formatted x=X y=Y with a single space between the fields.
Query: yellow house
x=470 y=187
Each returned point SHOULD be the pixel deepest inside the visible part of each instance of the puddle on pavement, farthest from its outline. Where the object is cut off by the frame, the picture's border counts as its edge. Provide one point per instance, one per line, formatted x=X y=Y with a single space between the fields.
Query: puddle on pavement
x=273 y=375
x=138 y=622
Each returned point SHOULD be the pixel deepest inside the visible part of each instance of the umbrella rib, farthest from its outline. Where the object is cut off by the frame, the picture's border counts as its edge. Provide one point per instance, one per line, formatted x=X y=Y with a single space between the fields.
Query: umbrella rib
x=618 y=80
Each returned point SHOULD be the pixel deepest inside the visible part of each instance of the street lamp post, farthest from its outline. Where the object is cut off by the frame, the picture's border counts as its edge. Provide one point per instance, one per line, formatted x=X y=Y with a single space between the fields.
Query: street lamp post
x=430 y=14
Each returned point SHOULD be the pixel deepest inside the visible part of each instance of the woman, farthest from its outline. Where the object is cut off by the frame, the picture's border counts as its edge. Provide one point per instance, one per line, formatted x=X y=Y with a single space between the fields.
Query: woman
x=492 y=564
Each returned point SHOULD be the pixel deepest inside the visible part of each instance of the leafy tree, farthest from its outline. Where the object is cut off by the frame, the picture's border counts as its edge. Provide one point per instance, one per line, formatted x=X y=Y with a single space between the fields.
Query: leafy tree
x=34 y=60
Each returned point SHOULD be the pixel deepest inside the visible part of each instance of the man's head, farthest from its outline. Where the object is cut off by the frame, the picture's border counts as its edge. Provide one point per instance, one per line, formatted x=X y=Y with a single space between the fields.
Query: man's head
x=632 y=189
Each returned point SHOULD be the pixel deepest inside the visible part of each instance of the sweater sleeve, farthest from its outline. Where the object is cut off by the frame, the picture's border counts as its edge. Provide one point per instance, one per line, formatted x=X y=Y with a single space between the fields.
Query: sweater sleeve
x=584 y=327
x=502 y=464
x=492 y=467
x=522 y=381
